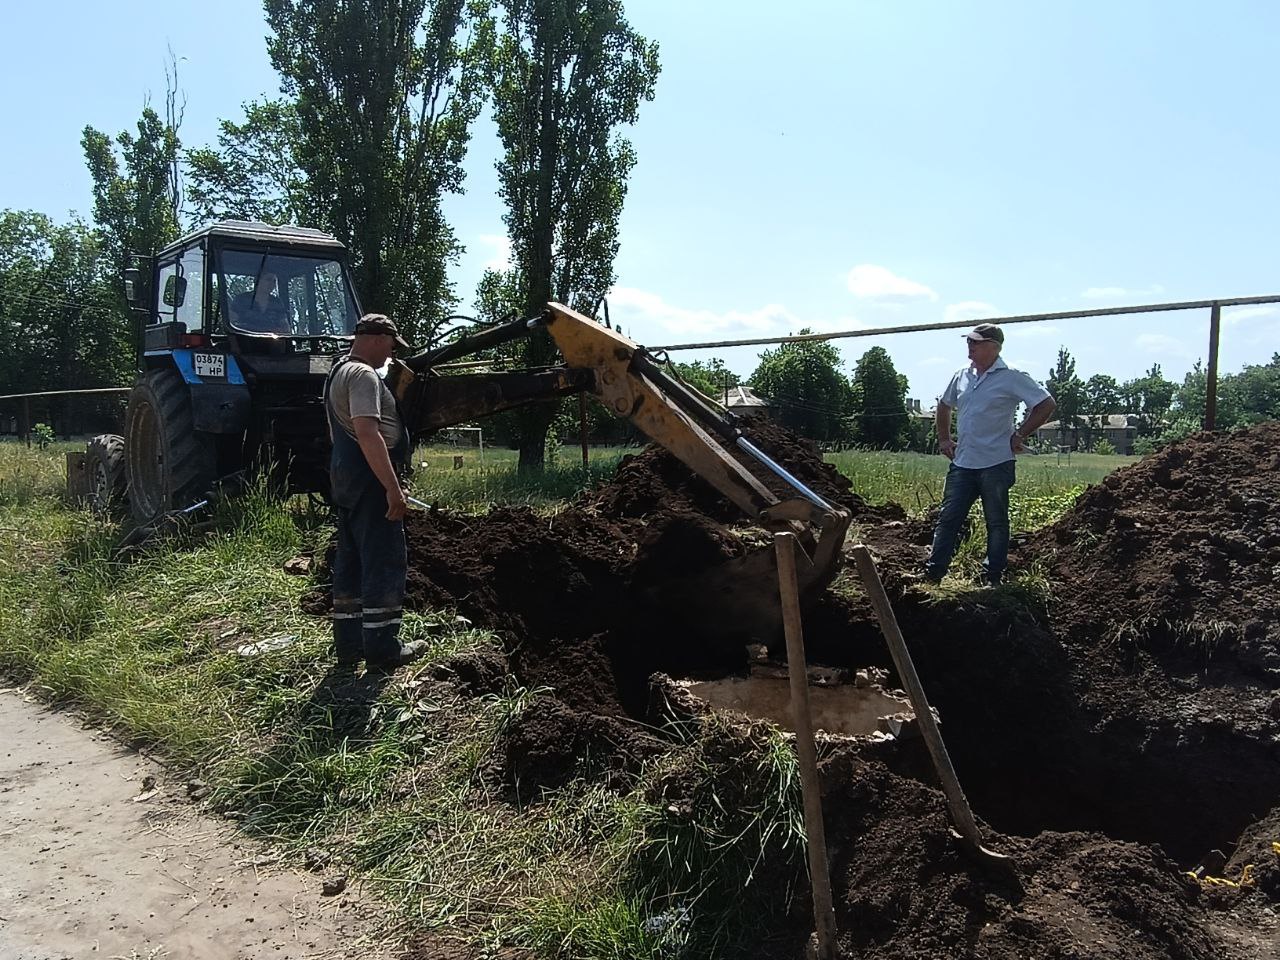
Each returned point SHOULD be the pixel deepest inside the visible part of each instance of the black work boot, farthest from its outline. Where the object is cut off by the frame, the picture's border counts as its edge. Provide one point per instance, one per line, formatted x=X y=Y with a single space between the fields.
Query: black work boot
x=408 y=653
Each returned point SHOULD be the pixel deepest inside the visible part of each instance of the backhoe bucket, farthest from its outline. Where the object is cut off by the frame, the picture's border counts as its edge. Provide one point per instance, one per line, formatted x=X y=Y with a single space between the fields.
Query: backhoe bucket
x=736 y=602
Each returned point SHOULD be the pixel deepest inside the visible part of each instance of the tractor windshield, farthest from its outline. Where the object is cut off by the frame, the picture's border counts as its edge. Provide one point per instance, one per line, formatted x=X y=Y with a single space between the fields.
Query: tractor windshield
x=282 y=295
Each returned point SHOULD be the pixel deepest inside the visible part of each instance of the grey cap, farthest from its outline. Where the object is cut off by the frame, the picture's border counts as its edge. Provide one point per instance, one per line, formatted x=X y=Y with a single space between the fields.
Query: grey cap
x=376 y=324
x=986 y=331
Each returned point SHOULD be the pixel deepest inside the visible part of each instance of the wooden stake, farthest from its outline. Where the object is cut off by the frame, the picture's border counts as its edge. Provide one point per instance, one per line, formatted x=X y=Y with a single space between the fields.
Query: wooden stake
x=824 y=917
x=1211 y=374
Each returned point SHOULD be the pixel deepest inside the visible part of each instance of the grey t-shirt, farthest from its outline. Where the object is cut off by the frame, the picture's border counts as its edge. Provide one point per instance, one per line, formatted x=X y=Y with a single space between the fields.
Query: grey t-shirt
x=356 y=390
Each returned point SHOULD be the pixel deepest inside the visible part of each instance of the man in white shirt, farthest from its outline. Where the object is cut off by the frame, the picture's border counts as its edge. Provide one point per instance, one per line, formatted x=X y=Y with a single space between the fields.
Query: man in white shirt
x=986 y=395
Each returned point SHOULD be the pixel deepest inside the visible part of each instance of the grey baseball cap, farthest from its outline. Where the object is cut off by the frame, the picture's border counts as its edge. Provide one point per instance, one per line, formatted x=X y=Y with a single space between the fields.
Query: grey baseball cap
x=986 y=331
x=378 y=323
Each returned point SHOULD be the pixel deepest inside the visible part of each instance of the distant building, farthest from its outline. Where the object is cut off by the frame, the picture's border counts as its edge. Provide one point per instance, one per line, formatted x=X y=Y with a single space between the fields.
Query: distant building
x=1118 y=429
x=914 y=411
x=742 y=401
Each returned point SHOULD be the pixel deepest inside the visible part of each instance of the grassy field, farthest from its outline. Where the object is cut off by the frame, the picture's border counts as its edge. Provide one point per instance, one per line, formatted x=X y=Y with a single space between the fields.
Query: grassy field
x=199 y=647
x=464 y=478
x=915 y=480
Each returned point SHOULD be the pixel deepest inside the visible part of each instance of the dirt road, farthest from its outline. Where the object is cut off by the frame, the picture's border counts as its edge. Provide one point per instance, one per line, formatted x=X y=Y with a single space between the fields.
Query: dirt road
x=97 y=862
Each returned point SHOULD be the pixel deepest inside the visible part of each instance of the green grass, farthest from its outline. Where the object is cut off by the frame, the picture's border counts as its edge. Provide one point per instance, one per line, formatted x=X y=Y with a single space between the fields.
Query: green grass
x=463 y=478
x=1046 y=488
x=391 y=778
x=915 y=480
x=29 y=474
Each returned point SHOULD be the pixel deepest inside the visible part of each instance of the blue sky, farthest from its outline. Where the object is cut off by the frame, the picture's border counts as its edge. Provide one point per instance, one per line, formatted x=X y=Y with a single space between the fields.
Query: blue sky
x=839 y=166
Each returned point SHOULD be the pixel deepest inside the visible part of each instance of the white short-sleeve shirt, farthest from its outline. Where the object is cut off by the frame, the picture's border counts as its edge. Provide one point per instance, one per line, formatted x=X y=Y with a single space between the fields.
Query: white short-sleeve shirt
x=985 y=405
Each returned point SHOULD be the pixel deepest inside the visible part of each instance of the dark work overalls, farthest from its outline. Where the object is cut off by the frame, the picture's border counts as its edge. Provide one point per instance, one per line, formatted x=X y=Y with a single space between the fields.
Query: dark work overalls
x=369 y=569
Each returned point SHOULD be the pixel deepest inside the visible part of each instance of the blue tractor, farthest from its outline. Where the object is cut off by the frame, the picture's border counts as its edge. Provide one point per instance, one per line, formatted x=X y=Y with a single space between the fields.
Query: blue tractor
x=239 y=326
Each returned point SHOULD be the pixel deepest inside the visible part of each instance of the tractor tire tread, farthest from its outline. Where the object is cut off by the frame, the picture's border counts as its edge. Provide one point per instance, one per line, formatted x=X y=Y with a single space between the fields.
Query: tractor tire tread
x=187 y=455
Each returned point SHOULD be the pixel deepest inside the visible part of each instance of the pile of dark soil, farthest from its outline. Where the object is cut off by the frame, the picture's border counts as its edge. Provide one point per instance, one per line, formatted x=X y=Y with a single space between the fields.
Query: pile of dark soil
x=1177 y=556
x=655 y=482
x=595 y=599
x=1108 y=743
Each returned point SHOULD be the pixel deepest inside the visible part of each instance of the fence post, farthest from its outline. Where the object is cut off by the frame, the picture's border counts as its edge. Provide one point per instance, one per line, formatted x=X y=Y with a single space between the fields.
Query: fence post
x=24 y=421
x=1211 y=377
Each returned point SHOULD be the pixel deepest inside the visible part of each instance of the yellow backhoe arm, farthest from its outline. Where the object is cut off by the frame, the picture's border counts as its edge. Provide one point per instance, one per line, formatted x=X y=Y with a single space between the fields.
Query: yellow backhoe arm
x=626 y=380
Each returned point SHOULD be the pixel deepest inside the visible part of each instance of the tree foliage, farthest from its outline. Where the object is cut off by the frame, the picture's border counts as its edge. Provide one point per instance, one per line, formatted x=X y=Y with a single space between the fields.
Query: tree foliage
x=1068 y=390
x=60 y=327
x=253 y=173
x=135 y=188
x=1101 y=395
x=1250 y=396
x=804 y=382
x=384 y=96
x=709 y=377
x=879 y=399
x=564 y=76
x=1148 y=398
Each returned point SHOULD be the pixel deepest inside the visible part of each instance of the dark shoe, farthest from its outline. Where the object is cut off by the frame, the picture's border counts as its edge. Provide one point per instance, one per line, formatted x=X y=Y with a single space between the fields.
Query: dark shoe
x=409 y=652
x=348 y=660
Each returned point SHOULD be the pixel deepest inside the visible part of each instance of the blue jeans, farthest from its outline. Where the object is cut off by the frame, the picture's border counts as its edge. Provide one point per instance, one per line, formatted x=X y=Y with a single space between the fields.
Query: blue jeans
x=368 y=580
x=964 y=486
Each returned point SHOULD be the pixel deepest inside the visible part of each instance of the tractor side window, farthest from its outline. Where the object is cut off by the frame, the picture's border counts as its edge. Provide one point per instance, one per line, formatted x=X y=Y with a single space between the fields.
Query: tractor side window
x=191 y=310
x=167 y=289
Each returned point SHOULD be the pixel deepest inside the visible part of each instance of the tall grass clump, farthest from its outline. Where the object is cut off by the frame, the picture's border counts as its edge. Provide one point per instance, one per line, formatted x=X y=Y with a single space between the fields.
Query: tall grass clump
x=717 y=845
x=31 y=474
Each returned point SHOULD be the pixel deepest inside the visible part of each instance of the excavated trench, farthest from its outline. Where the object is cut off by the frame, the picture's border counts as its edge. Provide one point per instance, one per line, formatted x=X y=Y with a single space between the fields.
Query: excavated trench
x=1093 y=716
x=1039 y=744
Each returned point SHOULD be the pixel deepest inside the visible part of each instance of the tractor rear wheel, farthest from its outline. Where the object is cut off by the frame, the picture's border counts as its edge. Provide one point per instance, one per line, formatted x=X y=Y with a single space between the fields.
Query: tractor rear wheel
x=169 y=464
x=104 y=465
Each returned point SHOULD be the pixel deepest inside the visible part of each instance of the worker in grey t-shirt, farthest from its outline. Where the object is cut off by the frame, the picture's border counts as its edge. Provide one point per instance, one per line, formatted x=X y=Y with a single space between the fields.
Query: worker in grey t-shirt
x=370 y=453
x=986 y=395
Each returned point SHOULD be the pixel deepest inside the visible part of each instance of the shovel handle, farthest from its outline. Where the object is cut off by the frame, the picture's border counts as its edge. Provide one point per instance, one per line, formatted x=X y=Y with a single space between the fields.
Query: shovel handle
x=957 y=804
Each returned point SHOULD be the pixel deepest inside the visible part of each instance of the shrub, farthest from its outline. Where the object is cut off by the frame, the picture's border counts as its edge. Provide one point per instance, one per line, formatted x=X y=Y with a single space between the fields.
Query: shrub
x=42 y=435
x=1105 y=447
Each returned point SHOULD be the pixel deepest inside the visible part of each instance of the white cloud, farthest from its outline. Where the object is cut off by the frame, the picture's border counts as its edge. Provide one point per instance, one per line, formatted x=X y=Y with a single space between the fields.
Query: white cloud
x=870 y=282
x=646 y=312
x=1162 y=343
x=1240 y=314
x=968 y=310
x=500 y=247
x=1116 y=293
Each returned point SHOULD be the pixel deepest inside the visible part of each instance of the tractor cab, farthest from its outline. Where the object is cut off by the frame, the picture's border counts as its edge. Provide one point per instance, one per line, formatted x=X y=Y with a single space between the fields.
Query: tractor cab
x=249 y=288
x=239 y=326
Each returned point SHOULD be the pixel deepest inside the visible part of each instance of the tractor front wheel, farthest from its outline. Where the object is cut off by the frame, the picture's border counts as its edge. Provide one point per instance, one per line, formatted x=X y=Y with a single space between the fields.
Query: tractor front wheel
x=104 y=465
x=169 y=464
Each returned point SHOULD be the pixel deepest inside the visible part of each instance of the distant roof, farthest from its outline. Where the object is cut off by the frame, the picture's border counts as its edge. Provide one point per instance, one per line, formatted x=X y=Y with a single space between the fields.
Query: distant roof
x=1104 y=421
x=286 y=235
x=743 y=397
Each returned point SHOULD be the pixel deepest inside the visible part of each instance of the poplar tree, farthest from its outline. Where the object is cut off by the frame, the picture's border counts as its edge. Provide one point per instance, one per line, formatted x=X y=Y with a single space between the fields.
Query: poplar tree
x=565 y=76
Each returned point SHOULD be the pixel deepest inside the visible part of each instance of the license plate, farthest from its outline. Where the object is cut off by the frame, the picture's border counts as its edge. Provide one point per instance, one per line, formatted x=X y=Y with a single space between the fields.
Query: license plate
x=210 y=364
